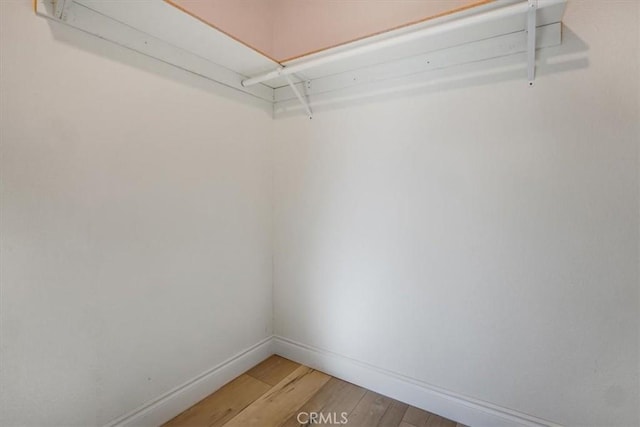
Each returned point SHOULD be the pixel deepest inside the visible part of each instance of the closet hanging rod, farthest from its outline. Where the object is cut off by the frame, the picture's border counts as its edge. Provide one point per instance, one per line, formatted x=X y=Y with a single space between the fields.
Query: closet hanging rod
x=503 y=12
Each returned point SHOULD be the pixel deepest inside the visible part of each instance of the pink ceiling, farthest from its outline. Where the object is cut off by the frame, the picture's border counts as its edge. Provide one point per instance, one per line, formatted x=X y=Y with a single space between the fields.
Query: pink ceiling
x=248 y=21
x=286 y=29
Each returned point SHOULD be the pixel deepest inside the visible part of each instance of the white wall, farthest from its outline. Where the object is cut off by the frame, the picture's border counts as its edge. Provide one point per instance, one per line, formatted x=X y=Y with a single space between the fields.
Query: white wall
x=480 y=238
x=136 y=225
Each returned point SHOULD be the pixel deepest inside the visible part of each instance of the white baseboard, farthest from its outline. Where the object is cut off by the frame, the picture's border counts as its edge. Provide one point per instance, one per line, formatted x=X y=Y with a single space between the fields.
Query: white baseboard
x=459 y=408
x=175 y=401
x=465 y=410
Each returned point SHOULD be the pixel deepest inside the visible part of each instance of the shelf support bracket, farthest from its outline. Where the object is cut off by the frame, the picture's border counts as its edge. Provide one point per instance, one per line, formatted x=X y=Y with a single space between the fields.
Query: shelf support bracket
x=61 y=8
x=531 y=40
x=300 y=97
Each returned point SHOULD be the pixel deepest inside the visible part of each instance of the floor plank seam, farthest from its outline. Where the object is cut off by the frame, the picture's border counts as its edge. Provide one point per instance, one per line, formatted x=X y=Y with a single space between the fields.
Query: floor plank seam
x=286 y=389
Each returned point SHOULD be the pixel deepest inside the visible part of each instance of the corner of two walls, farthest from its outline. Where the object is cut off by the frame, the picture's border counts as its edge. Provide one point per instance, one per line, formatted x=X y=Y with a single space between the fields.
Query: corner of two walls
x=400 y=233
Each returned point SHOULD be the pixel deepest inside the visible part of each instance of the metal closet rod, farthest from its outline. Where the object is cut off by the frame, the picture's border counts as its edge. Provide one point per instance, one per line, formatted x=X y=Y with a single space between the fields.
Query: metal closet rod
x=503 y=12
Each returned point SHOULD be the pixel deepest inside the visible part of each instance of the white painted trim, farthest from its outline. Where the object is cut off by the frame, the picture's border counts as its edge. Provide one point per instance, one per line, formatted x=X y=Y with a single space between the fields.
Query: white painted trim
x=465 y=410
x=172 y=403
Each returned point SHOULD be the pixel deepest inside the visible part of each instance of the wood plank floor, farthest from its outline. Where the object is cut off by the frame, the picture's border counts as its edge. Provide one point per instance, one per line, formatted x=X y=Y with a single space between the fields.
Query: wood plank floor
x=279 y=392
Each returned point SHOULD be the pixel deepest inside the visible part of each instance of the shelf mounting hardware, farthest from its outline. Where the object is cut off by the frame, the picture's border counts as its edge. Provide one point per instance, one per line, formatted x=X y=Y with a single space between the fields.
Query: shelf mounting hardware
x=531 y=40
x=61 y=8
x=300 y=97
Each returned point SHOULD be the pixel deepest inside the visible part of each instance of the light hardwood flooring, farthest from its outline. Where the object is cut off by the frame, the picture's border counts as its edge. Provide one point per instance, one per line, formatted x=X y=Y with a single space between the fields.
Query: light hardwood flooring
x=273 y=393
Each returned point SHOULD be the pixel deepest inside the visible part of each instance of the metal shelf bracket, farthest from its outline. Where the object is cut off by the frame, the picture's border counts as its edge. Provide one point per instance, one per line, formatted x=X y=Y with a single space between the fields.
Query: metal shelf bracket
x=300 y=97
x=61 y=9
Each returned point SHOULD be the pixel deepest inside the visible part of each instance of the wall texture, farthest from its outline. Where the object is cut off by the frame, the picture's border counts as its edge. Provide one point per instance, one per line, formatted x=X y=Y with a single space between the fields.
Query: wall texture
x=136 y=225
x=483 y=239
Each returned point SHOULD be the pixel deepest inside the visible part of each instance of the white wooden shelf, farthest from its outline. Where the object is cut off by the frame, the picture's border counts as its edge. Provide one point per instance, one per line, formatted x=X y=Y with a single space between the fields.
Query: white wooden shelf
x=157 y=29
